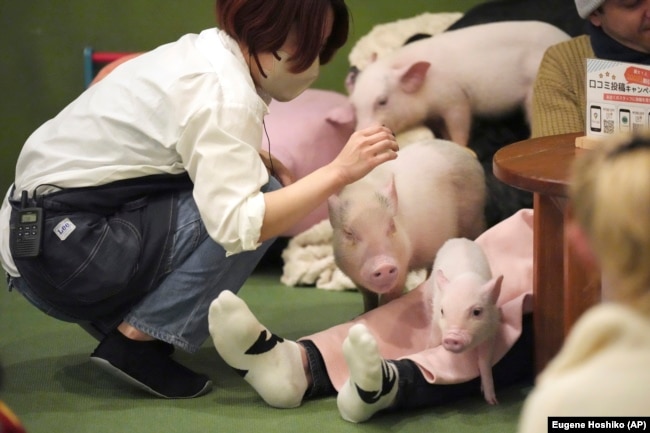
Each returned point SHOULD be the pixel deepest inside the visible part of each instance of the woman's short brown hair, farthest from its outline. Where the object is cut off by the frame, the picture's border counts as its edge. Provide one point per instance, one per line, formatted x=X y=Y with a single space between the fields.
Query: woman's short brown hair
x=263 y=25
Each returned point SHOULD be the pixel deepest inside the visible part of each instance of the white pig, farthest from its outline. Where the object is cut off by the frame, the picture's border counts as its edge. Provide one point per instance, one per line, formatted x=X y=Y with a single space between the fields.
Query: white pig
x=464 y=305
x=394 y=219
x=483 y=70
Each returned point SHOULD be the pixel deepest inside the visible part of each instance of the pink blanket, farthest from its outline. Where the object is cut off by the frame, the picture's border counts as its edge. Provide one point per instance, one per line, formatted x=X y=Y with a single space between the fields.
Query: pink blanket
x=403 y=327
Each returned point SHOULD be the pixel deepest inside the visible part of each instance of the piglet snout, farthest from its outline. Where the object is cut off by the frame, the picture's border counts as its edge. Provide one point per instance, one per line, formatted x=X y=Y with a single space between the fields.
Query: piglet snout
x=384 y=276
x=380 y=274
x=385 y=272
x=454 y=343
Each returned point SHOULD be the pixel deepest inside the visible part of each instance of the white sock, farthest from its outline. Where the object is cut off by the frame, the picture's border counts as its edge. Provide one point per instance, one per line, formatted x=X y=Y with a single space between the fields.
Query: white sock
x=275 y=370
x=373 y=381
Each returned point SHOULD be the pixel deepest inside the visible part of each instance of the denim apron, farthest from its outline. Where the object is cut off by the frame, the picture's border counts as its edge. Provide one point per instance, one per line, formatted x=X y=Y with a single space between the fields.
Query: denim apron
x=117 y=238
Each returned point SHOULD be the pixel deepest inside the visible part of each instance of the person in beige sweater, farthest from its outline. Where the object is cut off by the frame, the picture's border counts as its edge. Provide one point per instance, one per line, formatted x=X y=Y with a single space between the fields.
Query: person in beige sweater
x=602 y=368
x=617 y=30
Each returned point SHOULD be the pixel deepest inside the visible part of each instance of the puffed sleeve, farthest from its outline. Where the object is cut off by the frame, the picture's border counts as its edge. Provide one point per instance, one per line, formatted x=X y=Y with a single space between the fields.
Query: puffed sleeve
x=219 y=148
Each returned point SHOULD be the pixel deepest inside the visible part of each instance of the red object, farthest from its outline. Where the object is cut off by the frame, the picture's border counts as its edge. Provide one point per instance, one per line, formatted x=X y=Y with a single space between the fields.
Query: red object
x=107 y=56
x=9 y=422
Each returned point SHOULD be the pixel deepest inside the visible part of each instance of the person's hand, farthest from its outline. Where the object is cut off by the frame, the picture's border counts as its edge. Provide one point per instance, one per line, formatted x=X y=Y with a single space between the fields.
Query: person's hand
x=366 y=149
x=277 y=169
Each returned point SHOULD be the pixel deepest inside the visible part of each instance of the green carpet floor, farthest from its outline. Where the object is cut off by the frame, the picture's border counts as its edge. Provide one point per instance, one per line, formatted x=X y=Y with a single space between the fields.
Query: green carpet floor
x=52 y=386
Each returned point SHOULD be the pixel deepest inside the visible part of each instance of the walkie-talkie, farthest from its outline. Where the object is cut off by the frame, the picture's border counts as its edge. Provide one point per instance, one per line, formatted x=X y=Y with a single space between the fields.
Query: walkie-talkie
x=26 y=231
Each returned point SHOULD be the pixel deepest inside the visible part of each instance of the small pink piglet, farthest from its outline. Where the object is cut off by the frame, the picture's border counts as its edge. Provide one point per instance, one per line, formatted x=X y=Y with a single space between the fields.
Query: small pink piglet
x=465 y=305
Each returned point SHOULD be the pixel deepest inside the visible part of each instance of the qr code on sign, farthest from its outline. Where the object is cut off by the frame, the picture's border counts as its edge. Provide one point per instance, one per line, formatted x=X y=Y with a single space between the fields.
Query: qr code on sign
x=608 y=126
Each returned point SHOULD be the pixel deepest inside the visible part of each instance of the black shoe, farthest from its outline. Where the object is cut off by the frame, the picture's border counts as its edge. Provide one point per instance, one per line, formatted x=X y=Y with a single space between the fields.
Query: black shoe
x=147 y=365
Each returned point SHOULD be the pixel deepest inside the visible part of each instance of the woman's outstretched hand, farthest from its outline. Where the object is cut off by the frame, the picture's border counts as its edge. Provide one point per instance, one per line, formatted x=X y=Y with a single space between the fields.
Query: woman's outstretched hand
x=366 y=149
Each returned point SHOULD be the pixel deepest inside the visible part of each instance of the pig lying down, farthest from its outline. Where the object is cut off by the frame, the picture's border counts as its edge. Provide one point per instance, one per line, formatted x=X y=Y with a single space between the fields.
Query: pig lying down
x=485 y=70
x=396 y=218
x=465 y=305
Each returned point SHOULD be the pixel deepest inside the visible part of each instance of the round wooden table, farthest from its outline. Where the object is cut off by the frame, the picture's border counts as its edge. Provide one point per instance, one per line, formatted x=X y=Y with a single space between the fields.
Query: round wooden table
x=563 y=289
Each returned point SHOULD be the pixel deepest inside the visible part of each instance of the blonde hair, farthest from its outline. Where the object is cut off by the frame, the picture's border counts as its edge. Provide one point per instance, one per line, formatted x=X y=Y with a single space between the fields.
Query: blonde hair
x=610 y=197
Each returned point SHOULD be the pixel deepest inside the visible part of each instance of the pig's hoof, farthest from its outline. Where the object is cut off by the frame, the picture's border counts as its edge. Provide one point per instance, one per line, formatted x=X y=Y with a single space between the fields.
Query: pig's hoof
x=490 y=396
x=491 y=399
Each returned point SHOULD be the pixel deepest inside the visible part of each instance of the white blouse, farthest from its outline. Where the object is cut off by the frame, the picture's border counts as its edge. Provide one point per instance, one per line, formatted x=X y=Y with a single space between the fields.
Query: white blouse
x=188 y=106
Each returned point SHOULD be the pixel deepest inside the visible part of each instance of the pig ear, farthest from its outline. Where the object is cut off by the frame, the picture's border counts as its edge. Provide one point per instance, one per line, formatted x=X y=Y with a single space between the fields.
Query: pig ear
x=342 y=115
x=334 y=208
x=351 y=78
x=441 y=280
x=493 y=289
x=413 y=77
x=391 y=193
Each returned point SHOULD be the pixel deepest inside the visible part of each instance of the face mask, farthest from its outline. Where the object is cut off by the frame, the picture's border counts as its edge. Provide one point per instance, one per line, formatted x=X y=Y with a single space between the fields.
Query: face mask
x=284 y=85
